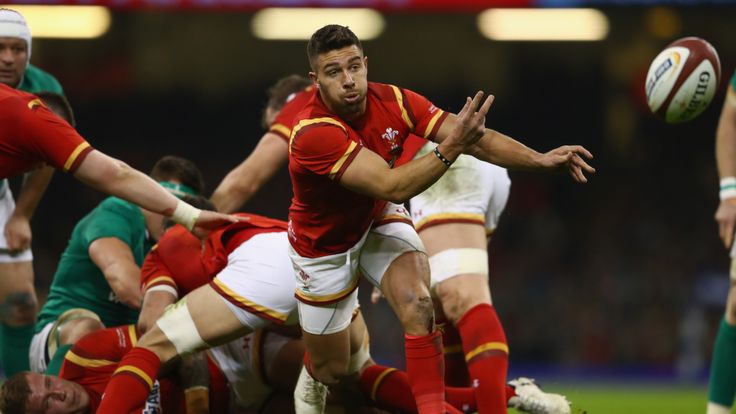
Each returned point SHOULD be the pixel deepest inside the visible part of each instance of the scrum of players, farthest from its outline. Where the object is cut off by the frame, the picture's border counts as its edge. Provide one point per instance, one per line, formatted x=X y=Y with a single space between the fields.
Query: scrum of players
x=165 y=301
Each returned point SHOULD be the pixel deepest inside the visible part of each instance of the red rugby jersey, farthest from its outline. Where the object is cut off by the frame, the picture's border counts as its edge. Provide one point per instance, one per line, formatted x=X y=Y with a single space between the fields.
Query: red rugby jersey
x=31 y=135
x=180 y=262
x=325 y=218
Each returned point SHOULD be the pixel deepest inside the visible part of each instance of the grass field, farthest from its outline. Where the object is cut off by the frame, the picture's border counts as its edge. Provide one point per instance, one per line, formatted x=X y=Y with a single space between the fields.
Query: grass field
x=632 y=399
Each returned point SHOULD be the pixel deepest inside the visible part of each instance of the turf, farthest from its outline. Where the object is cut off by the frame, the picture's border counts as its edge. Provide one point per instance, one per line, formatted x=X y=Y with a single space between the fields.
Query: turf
x=632 y=399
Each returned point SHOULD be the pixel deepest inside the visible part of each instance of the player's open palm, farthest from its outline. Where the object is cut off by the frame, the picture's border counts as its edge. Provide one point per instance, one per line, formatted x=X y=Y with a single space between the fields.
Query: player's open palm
x=726 y=218
x=570 y=158
x=470 y=124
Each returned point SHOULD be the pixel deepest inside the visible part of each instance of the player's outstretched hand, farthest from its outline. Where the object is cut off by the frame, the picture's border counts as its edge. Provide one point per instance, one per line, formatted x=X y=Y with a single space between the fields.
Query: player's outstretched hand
x=726 y=218
x=211 y=220
x=470 y=124
x=569 y=158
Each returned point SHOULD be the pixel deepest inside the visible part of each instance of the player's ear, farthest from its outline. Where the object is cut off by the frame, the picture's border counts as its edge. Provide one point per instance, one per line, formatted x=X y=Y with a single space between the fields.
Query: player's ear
x=313 y=78
x=365 y=62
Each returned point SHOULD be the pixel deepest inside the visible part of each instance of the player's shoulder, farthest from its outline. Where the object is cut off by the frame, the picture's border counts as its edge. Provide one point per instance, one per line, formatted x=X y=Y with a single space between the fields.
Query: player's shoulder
x=178 y=239
x=37 y=80
x=114 y=205
x=14 y=99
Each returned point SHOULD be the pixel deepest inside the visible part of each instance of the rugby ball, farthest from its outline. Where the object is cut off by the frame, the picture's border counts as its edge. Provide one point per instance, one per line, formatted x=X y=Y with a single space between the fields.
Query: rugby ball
x=682 y=79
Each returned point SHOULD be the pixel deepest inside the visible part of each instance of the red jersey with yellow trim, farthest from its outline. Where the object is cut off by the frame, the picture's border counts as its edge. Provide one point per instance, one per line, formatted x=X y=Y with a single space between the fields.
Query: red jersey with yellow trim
x=31 y=135
x=283 y=122
x=94 y=358
x=179 y=263
x=326 y=218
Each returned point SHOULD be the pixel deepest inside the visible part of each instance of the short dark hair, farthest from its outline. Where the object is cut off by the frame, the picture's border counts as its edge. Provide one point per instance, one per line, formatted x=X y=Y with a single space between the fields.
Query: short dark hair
x=281 y=90
x=180 y=169
x=14 y=394
x=330 y=37
x=59 y=105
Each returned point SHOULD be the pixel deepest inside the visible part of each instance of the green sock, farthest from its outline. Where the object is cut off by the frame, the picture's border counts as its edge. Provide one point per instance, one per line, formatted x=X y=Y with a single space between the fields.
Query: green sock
x=722 y=384
x=16 y=340
x=54 y=366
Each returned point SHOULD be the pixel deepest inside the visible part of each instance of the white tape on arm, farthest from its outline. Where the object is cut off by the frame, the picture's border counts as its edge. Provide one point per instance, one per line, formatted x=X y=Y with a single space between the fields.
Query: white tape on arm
x=185 y=215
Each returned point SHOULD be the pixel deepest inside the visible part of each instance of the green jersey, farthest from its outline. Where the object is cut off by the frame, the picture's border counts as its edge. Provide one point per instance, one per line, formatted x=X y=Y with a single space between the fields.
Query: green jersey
x=733 y=81
x=78 y=282
x=36 y=80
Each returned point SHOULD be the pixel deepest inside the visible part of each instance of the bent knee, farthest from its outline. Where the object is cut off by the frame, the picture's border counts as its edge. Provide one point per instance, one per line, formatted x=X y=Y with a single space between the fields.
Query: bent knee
x=329 y=371
x=76 y=329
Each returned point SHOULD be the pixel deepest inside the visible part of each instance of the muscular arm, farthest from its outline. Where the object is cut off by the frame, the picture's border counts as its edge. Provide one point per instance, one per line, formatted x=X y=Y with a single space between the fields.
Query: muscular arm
x=500 y=149
x=369 y=174
x=115 y=259
x=18 y=228
x=726 y=160
x=246 y=179
x=117 y=178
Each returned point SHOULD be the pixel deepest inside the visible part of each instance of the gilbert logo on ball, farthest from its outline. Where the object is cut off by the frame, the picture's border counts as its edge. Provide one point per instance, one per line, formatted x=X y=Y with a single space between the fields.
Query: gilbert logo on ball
x=682 y=79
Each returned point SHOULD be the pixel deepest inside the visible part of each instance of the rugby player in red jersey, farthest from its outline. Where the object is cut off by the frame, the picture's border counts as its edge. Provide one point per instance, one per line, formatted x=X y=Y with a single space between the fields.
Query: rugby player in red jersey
x=84 y=374
x=32 y=136
x=342 y=147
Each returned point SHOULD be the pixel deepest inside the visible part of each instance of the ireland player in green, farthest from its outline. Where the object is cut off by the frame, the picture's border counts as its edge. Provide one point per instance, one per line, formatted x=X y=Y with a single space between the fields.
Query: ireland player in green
x=97 y=281
x=18 y=304
x=722 y=384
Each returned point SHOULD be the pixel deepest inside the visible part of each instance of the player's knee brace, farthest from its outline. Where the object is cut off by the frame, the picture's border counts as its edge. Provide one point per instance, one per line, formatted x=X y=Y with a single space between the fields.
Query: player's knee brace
x=453 y=262
x=178 y=326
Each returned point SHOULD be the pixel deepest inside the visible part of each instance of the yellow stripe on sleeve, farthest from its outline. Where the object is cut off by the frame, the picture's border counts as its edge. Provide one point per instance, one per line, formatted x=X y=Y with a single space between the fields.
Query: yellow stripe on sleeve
x=400 y=101
x=86 y=362
x=281 y=128
x=70 y=161
x=433 y=121
x=306 y=122
x=341 y=161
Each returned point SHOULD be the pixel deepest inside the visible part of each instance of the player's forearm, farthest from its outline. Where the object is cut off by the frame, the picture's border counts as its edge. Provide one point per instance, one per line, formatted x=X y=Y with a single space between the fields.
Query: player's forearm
x=235 y=190
x=32 y=190
x=416 y=176
x=502 y=150
x=124 y=280
x=117 y=178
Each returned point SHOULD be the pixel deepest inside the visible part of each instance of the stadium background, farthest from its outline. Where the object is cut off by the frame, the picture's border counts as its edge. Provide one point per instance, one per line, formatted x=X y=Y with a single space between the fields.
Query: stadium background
x=622 y=280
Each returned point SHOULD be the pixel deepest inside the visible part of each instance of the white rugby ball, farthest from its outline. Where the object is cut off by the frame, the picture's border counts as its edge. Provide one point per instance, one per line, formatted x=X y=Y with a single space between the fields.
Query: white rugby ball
x=683 y=79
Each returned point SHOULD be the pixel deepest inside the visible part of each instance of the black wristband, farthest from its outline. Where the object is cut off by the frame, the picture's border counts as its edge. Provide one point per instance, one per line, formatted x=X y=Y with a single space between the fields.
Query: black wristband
x=442 y=157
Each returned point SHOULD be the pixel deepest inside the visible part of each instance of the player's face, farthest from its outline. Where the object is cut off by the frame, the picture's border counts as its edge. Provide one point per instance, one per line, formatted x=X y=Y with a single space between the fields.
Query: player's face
x=342 y=78
x=53 y=395
x=13 y=60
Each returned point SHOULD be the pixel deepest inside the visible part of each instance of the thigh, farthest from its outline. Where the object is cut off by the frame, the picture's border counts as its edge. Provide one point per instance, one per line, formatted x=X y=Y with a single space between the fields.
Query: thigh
x=391 y=237
x=258 y=282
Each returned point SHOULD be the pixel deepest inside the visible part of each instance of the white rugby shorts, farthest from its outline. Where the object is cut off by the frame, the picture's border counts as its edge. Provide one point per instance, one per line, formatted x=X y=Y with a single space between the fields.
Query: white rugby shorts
x=258 y=282
x=244 y=363
x=7 y=206
x=471 y=191
x=327 y=286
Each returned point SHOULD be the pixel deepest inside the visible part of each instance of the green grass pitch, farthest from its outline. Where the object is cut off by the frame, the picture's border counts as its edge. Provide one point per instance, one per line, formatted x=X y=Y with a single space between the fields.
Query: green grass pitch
x=632 y=399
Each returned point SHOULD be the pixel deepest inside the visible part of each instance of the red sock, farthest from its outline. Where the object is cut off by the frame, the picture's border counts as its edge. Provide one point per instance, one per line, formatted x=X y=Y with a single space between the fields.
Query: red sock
x=462 y=398
x=425 y=368
x=388 y=387
x=456 y=372
x=510 y=392
x=486 y=353
x=131 y=383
